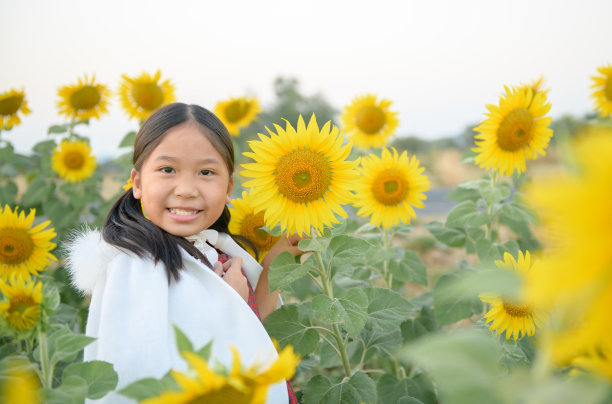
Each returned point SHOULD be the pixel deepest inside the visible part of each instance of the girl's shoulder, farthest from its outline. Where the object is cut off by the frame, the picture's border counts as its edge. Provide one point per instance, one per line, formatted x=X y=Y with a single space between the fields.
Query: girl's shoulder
x=88 y=256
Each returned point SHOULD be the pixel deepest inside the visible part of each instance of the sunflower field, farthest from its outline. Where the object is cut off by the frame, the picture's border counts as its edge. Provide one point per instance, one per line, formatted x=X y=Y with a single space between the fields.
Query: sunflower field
x=521 y=315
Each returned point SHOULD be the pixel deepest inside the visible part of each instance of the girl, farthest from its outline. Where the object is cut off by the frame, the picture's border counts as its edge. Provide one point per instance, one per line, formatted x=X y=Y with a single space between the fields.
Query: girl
x=162 y=258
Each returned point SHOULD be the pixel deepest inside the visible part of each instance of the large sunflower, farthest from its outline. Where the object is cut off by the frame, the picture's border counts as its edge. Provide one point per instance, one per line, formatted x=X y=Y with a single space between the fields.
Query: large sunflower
x=516 y=319
x=12 y=102
x=21 y=309
x=516 y=130
x=248 y=223
x=391 y=187
x=73 y=160
x=84 y=100
x=369 y=123
x=576 y=275
x=237 y=113
x=602 y=93
x=239 y=386
x=24 y=249
x=144 y=94
x=301 y=177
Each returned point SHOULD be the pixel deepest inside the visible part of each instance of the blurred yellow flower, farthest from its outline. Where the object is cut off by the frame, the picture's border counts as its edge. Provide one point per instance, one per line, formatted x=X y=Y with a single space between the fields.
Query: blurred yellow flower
x=597 y=360
x=12 y=103
x=73 y=161
x=514 y=131
x=84 y=100
x=128 y=185
x=248 y=386
x=517 y=320
x=144 y=94
x=21 y=309
x=390 y=187
x=536 y=86
x=369 y=123
x=20 y=387
x=24 y=249
x=602 y=94
x=237 y=113
x=248 y=223
x=301 y=177
x=575 y=278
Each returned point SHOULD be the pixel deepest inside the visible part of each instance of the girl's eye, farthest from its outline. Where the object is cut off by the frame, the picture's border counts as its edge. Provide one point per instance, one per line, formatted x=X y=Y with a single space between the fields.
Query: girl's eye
x=167 y=170
x=206 y=172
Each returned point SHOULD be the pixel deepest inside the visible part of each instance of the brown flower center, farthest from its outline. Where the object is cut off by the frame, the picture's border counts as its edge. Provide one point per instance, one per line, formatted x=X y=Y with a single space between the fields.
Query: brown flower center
x=516 y=310
x=10 y=105
x=148 y=96
x=608 y=89
x=16 y=246
x=516 y=130
x=86 y=97
x=251 y=229
x=23 y=313
x=74 y=160
x=236 y=110
x=303 y=175
x=390 y=187
x=370 y=120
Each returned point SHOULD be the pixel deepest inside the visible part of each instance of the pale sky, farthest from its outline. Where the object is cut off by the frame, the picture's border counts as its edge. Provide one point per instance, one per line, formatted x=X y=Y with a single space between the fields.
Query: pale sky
x=439 y=61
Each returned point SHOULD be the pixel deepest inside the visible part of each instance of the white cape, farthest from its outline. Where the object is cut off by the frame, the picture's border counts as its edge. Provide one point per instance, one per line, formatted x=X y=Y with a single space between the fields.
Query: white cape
x=133 y=311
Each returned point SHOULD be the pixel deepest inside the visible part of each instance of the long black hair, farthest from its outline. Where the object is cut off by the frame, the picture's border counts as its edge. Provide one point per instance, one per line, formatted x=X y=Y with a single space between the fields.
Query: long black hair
x=126 y=226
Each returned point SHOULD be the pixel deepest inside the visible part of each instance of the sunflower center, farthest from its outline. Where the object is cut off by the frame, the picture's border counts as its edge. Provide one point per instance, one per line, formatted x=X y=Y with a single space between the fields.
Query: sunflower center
x=10 y=105
x=607 y=90
x=74 y=160
x=225 y=395
x=251 y=229
x=16 y=246
x=516 y=310
x=86 y=97
x=390 y=187
x=237 y=110
x=515 y=130
x=370 y=119
x=23 y=313
x=303 y=175
x=148 y=96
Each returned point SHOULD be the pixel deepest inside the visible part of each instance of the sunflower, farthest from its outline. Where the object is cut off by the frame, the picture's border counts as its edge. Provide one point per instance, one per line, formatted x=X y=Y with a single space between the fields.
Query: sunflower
x=24 y=249
x=368 y=123
x=248 y=223
x=301 y=177
x=239 y=386
x=237 y=113
x=11 y=103
x=143 y=95
x=73 y=160
x=21 y=309
x=19 y=386
x=84 y=100
x=517 y=320
x=602 y=93
x=390 y=187
x=575 y=277
x=516 y=130
x=597 y=360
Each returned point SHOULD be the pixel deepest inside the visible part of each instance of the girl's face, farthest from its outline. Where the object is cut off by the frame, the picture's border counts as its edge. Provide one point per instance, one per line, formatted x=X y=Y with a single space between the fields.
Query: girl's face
x=184 y=183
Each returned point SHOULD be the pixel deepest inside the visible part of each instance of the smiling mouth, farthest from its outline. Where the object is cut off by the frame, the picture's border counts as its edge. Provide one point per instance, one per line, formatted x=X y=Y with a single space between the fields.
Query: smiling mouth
x=183 y=212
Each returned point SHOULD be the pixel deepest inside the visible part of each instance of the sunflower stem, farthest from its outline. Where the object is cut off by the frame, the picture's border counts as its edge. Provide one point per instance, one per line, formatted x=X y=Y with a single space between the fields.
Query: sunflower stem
x=388 y=276
x=493 y=177
x=71 y=128
x=46 y=368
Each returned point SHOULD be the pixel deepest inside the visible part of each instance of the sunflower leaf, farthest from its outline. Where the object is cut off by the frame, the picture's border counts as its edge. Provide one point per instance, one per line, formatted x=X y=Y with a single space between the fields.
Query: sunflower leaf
x=386 y=309
x=452 y=303
x=452 y=237
x=284 y=270
x=360 y=388
x=466 y=214
x=99 y=376
x=142 y=389
x=291 y=325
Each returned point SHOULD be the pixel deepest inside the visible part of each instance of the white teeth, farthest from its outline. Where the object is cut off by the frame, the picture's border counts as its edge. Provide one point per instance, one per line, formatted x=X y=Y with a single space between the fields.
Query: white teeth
x=183 y=212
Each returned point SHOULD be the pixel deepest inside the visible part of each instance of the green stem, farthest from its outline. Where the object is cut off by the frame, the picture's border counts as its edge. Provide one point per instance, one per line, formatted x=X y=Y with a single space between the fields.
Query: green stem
x=71 y=129
x=46 y=366
x=388 y=276
x=493 y=176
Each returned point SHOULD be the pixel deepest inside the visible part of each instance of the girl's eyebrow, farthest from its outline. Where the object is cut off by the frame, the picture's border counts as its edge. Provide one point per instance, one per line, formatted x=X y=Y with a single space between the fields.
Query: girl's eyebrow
x=208 y=160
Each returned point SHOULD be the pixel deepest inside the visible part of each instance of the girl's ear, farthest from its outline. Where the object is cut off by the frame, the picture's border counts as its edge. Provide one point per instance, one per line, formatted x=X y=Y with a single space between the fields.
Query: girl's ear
x=230 y=188
x=136 y=186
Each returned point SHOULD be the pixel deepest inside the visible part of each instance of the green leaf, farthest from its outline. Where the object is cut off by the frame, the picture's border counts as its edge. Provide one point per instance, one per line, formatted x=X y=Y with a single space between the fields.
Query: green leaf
x=494 y=194
x=320 y=390
x=15 y=363
x=206 y=350
x=142 y=389
x=424 y=323
x=450 y=305
x=463 y=365
x=56 y=129
x=8 y=193
x=7 y=153
x=392 y=390
x=37 y=191
x=350 y=311
x=74 y=386
x=128 y=139
x=466 y=214
x=517 y=211
x=284 y=270
x=68 y=345
x=385 y=342
x=409 y=269
x=328 y=310
x=386 y=309
x=314 y=244
x=291 y=325
x=449 y=236
x=365 y=386
x=347 y=248
x=99 y=376
x=403 y=229
x=44 y=147
x=182 y=341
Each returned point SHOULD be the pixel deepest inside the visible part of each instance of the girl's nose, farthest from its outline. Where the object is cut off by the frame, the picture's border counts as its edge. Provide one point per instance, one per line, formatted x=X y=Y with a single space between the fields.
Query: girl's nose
x=185 y=188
